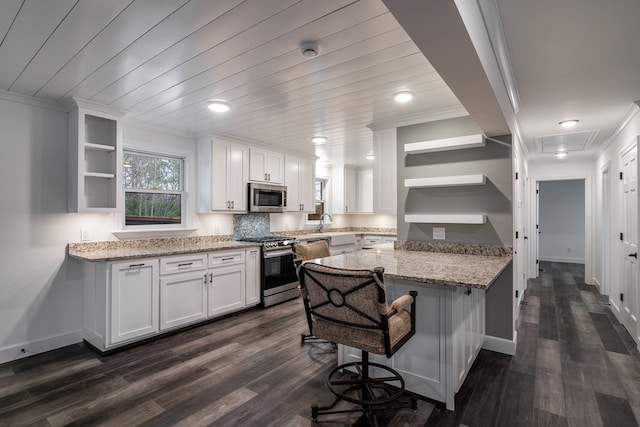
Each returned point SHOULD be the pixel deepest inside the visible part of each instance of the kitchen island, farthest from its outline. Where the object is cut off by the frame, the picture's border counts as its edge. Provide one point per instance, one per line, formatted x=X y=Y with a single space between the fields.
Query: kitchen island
x=450 y=312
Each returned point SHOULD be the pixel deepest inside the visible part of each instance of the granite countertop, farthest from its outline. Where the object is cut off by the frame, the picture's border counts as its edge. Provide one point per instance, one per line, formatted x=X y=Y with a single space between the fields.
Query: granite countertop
x=117 y=251
x=438 y=268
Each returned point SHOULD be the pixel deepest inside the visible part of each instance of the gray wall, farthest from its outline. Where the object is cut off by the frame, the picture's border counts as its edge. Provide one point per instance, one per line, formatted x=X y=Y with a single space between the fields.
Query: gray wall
x=493 y=198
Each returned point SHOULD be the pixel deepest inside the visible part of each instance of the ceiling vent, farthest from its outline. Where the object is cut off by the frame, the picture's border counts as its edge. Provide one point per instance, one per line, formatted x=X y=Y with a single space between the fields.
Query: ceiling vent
x=566 y=142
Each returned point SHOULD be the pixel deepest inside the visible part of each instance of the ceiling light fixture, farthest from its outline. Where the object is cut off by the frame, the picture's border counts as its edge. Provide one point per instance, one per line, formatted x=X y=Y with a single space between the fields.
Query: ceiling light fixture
x=309 y=49
x=319 y=139
x=403 y=96
x=218 y=106
x=561 y=154
x=370 y=157
x=568 y=123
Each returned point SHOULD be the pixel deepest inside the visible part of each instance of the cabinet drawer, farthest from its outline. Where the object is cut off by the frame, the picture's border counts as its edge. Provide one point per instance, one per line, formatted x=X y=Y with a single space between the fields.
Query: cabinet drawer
x=371 y=240
x=221 y=259
x=183 y=263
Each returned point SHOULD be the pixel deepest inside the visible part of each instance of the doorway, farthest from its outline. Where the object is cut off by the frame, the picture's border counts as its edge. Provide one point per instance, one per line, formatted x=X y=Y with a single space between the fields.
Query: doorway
x=560 y=223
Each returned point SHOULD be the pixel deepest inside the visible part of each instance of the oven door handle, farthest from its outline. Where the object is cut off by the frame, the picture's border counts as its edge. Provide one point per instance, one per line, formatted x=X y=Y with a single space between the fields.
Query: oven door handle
x=275 y=254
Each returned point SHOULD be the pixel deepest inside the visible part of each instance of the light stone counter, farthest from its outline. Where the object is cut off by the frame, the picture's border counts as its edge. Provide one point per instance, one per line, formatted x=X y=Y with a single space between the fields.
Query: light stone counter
x=148 y=248
x=451 y=269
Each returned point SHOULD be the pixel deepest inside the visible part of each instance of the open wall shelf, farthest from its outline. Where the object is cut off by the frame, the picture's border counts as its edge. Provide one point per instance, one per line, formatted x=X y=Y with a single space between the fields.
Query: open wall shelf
x=457 y=143
x=446 y=219
x=445 y=181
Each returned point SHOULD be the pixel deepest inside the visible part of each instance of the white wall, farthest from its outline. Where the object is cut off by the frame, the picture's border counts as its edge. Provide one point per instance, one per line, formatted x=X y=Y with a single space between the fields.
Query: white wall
x=40 y=290
x=611 y=157
x=561 y=219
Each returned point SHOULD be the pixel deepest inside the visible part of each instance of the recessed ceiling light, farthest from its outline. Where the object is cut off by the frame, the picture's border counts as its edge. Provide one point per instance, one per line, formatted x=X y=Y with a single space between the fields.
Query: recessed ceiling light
x=403 y=96
x=561 y=154
x=218 y=106
x=319 y=139
x=370 y=157
x=568 y=123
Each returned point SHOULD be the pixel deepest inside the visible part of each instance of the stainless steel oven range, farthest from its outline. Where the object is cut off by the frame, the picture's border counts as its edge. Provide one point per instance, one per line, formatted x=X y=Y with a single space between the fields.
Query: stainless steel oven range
x=279 y=281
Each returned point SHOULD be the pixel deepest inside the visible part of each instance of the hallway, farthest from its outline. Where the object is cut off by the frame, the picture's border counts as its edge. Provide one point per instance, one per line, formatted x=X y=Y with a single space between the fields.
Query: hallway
x=575 y=364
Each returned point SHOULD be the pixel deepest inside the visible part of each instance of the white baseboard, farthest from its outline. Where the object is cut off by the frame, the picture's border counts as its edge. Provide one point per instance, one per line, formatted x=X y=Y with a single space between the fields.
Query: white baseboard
x=501 y=345
x=562 y=259
x=597 y=284
x=20 y=351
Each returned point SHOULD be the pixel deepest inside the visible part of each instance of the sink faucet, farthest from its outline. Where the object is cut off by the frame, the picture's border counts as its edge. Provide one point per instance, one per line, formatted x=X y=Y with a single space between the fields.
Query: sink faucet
x=322 y=220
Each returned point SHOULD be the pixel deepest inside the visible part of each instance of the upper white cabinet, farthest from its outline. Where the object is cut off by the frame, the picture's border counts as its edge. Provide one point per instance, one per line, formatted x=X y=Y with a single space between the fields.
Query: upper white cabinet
x=223 y=170
x=95 y=157
x=266 y=166
x=344 y=190
x=385 y=192
x=299 y=177
x=365 y=190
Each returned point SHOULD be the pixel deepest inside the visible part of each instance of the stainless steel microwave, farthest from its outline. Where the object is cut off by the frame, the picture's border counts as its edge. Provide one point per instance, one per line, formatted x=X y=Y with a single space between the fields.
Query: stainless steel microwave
x=267 y=197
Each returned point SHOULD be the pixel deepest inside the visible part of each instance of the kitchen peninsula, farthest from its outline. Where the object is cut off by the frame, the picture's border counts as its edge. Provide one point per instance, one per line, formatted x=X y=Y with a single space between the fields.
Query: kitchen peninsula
x=450 y=308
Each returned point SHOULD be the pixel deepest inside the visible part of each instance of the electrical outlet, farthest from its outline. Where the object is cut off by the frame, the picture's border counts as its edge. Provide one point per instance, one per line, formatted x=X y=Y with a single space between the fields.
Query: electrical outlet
x=216 y=229
x=84 y=235
x=438 y=233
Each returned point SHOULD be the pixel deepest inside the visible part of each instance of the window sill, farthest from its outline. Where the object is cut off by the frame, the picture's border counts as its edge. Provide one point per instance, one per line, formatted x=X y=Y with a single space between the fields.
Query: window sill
x=149 y=232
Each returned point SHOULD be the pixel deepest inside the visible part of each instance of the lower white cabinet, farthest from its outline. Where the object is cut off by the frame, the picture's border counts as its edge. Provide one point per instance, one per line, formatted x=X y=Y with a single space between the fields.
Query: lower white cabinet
x=121 y=302
x=227 y=282
x=183 y=292
x=137 y=299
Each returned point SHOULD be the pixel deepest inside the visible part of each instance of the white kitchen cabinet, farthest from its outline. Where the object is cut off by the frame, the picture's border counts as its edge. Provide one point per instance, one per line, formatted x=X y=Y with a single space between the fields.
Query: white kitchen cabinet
x=183 y=291
x=121 y=302
x=385 y=191
x=369 y=240
x=365 y=191
x=344 y=191
x=252 y=294
x=299 y=177
x=223 y=171
x=227 y=282
x=134 y=300
x=95 y=158
x=468 y=319
x=266 y=166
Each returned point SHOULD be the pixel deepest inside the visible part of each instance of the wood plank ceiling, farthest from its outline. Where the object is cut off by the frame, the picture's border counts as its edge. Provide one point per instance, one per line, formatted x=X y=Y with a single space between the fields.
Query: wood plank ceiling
x=161 y=60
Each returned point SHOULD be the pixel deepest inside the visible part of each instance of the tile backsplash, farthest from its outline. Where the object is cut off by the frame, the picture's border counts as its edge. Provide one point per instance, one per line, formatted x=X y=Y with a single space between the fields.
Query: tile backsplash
x=251 y=225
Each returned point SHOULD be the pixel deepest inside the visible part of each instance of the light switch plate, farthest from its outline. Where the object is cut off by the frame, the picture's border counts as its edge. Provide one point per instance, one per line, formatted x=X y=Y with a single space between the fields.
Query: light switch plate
x=438 y=233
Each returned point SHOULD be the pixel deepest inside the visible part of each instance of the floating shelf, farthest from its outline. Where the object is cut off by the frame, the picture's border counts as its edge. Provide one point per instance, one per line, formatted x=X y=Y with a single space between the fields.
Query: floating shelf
x=100 y=175
x=446 y=219
x=457 y=143
x=98 y=147
x=445 y=181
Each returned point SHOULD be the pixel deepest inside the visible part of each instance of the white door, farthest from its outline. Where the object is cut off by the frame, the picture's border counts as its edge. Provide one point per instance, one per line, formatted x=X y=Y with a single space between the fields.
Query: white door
x=183 y=299
x=628 y=297
x=226 y=289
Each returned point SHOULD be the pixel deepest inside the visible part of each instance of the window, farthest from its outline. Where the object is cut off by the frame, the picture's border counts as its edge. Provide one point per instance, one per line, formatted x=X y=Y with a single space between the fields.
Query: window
x=153 y=189
x=320 y=196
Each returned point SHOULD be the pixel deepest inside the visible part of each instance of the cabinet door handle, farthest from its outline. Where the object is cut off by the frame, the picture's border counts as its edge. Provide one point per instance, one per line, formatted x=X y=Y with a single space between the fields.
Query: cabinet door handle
x=185 y=264
x=269 y=177
x=346 y=208
x=227 y=259
x=136 y=265
x=205 y=278
x=210 y=277
x=467 y=291
x=635 y=255
x=233 y=204
x=265 y=177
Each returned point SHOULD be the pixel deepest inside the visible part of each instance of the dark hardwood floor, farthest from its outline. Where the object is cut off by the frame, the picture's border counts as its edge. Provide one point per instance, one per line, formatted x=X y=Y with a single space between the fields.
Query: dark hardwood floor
x=575 y=366
x=245 y=370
